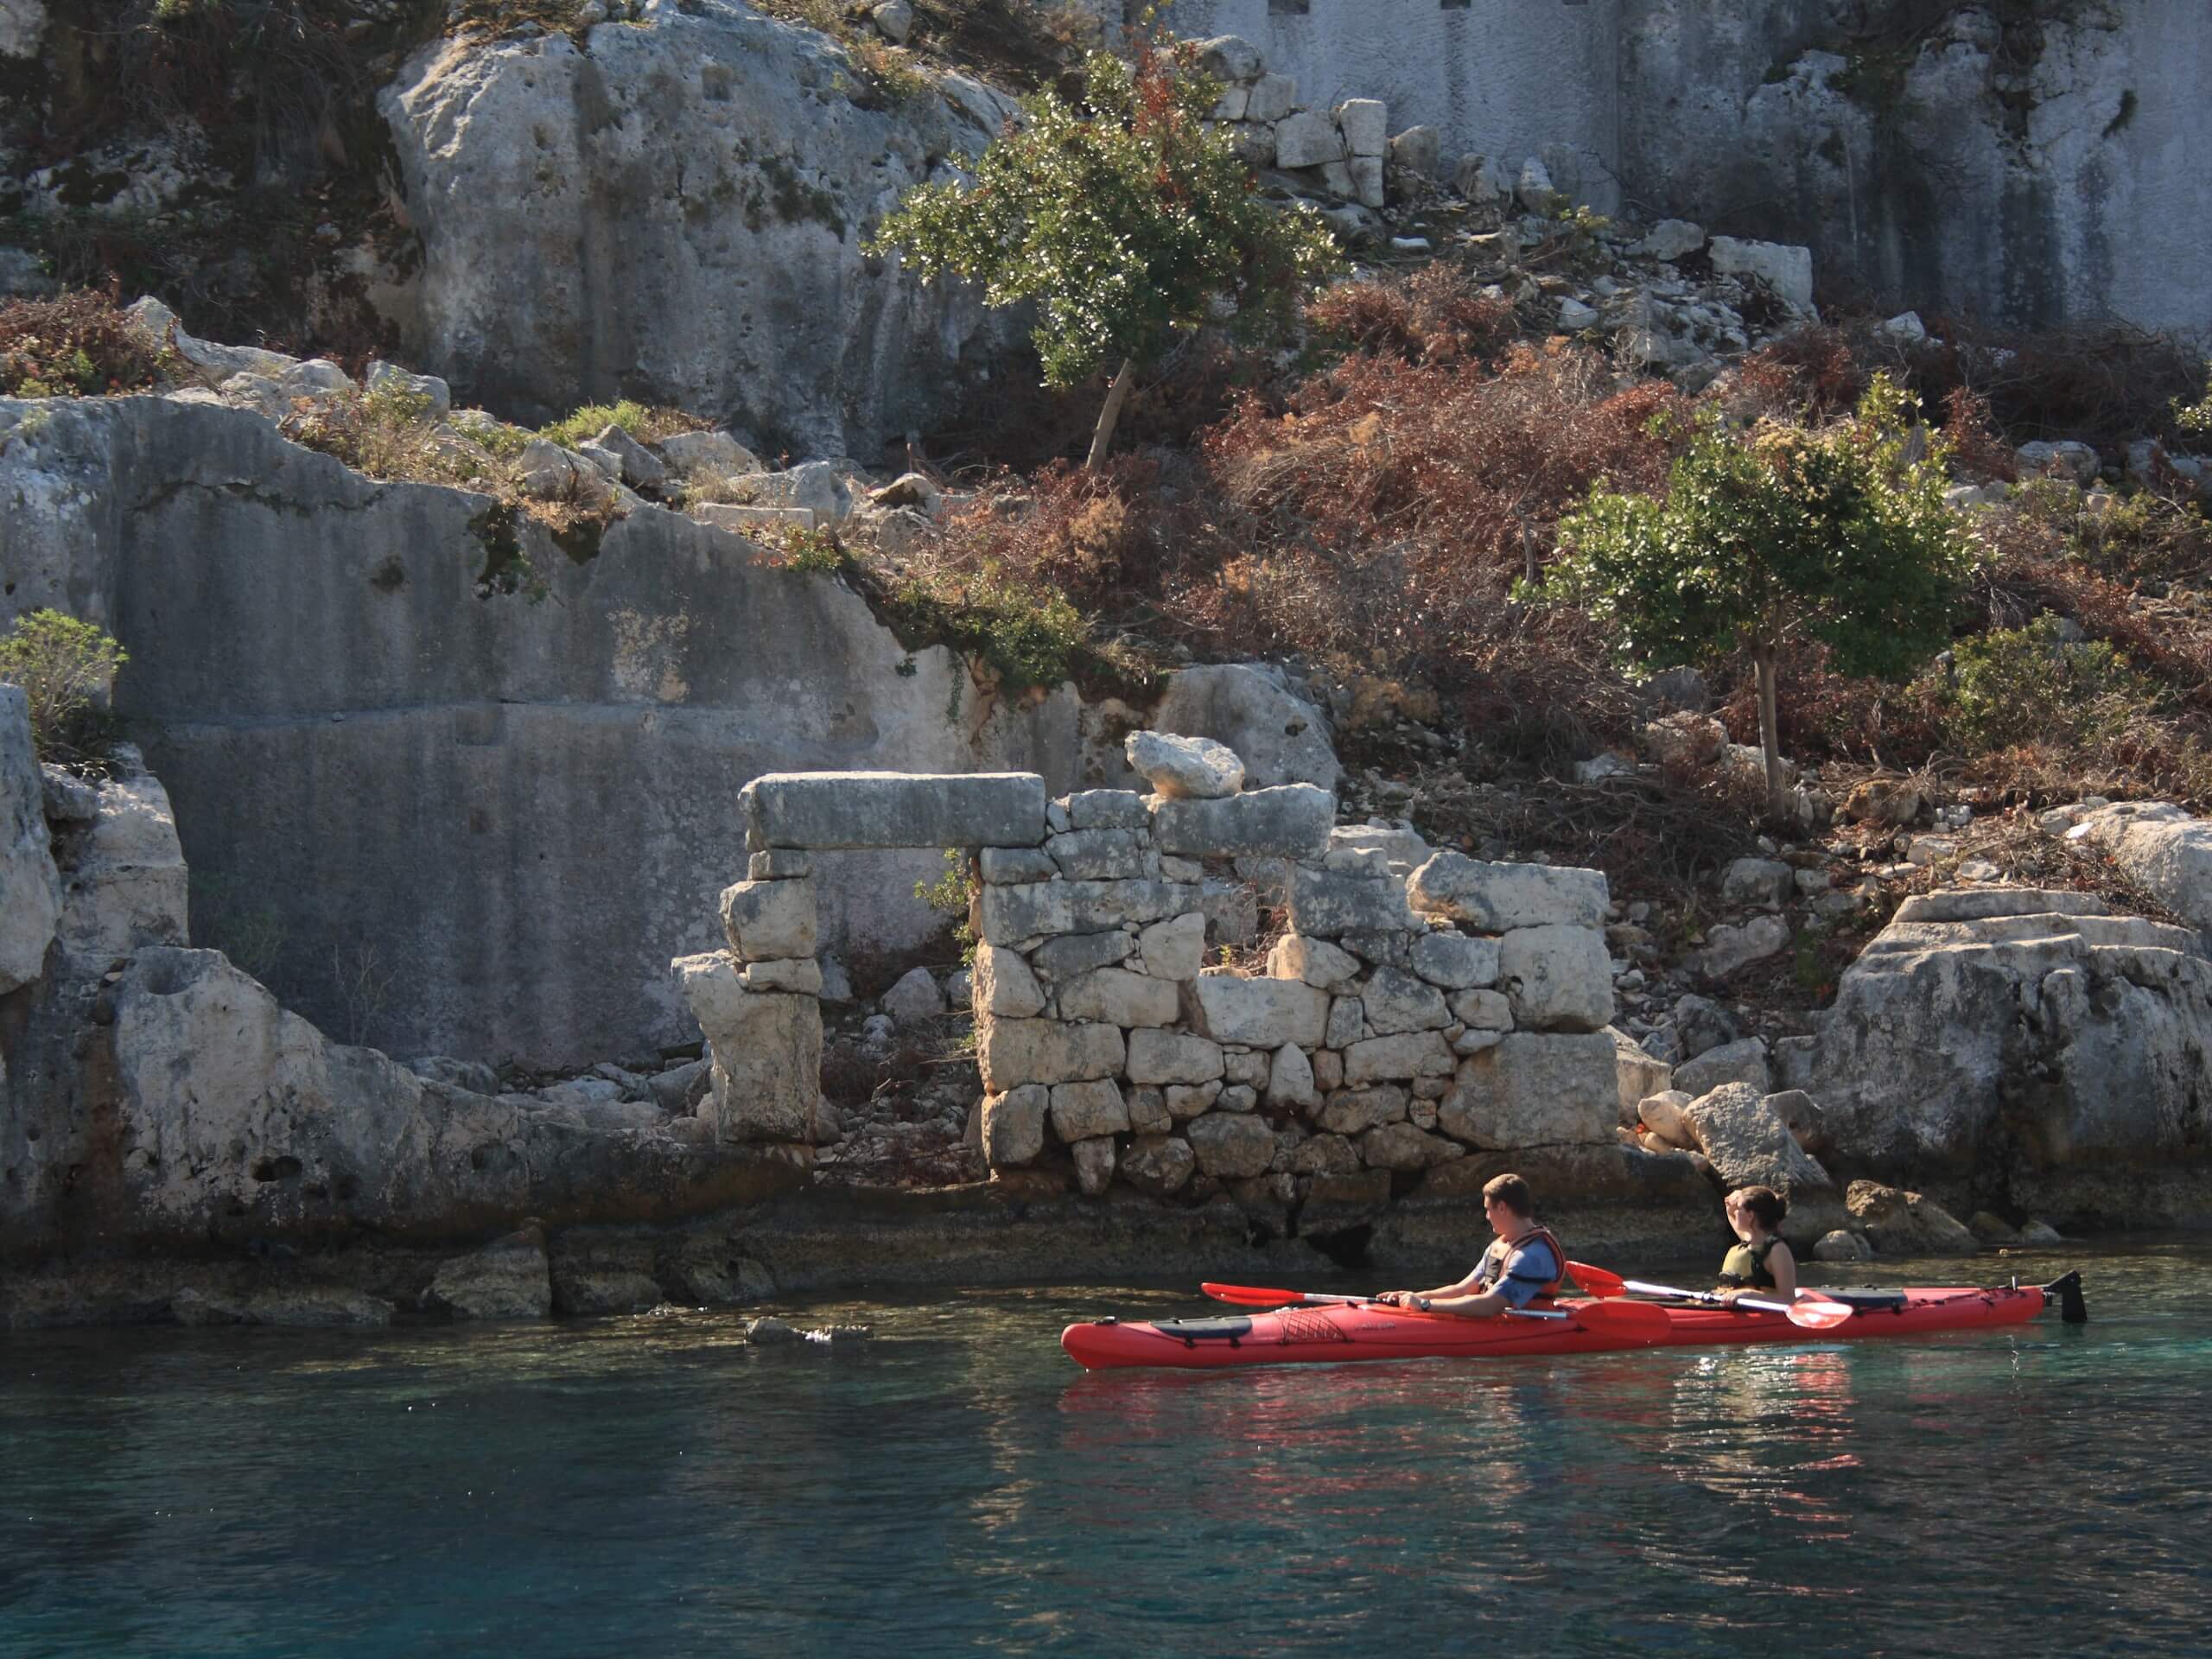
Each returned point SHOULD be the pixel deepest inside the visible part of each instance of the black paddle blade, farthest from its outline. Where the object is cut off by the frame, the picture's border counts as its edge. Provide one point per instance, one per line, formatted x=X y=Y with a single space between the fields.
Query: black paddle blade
x=2072 y=1309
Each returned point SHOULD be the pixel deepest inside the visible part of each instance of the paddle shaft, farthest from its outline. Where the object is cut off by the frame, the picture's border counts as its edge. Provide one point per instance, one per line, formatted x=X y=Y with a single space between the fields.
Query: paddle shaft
x=1252 y=1296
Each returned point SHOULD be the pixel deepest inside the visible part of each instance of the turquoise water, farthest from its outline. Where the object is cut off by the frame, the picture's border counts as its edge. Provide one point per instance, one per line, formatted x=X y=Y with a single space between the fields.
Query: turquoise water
x=653 y=1487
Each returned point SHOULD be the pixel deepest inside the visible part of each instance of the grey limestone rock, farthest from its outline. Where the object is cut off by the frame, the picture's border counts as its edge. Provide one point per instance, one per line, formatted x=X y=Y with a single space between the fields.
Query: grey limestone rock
x=1402 y=1148
x=1290 y=821
x=1082 y=1111
x=1280 y=736
x=1003 y=867
x=1228 y=1145
x=30 y=888
x=1014 y=1125
x=1327 y=905
x=1064 y=958
x=1264 y=1012
x=1557 y=978
x=1118 y=997
x=1185 y=768
x=1003 y=985
x=1167 y=1056
x=1094 y=1165
x=769 y=921
x=1454 y=961
x=1757 y=882
x=915 y=999
x=1496 y=898
x=1040 y=909
x=1742 y=1061
x=508 y=1279
x=1394 y=1002
x=1534 y=1090
x=1315 y=961
x=1159 y=1164
x=1174 y=949
x=1408 y=1055
x=1108 y=808
x=823 y=810
x=1102 y=855
x=1015 y=1051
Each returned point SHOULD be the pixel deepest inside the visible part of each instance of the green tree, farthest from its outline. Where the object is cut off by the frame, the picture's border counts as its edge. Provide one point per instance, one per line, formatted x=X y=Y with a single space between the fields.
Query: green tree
x=1772 y=535
x=1125 y=218
x=62 y=665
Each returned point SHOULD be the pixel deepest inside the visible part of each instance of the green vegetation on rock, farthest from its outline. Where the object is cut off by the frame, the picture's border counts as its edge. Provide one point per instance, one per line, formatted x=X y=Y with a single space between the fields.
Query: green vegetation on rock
x=64 y=666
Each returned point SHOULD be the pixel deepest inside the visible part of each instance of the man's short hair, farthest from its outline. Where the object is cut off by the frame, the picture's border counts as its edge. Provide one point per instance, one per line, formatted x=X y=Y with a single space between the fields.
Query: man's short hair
x=1511 y=1192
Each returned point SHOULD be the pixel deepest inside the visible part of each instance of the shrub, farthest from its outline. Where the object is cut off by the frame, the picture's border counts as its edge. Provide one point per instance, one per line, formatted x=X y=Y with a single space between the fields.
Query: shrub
x=2196 y=418
x=1779 y=533
x=77 y=344
x=646 y=423
x=1436 y=315
x=64 y=666
x=2030 y=685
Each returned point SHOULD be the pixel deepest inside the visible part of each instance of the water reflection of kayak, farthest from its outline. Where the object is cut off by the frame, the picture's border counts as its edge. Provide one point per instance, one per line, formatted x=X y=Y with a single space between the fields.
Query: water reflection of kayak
x=1361 y=1331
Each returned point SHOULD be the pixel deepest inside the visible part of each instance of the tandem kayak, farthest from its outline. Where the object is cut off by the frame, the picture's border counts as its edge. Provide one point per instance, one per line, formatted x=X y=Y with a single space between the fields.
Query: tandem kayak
x=1364 y=1331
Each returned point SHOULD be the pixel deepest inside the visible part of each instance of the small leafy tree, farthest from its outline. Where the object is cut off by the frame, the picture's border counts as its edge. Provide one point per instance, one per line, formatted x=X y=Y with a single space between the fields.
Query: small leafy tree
x=2196 y=418
x=63 y=665
x=1125 y=217
x=1772 y=536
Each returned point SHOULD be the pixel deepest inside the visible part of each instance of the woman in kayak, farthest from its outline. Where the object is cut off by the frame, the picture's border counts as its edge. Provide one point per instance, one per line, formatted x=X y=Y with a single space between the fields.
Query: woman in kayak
x=1524 y=1262
x=1760 y=1264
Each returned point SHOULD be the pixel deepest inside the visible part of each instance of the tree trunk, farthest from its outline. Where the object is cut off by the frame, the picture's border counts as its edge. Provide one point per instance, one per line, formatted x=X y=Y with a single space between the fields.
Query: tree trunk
x=1116 y=395
x=1770 y=728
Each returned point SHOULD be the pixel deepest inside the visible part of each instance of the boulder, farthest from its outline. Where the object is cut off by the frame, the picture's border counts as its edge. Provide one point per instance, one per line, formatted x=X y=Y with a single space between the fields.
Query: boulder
x=1534 y=1090
x=1290 y=1079
x=1326 y=905
x=769 y=921
x=1402 y=1148
x=1728 y=948
x=1671 y=239
x=1316 y=962
x=524 y=159
x=2021 y=1024
x=1498 y=898
x=1228 y=57
x=1308 y=139
x=2162 y=848
x=1841 y=1245
x=1744 y=1061
x=1094 y=1165
x=508 y=1279
x=1751 y=1146
x=1454 y=961
x=1249 y=708
x=1418 y=150
x=1788 y=271
x=1701 y=1024
x=30 y=888
x=1556 y=978
x=915 y=1000
x=1665 y=1114
x=1365 y=123
x=1640 y=1076
x=128 y=888
x=1758 y=881
x=1894 y=801
x=706 y=455
x=1898 y=1222
x=1185 y=768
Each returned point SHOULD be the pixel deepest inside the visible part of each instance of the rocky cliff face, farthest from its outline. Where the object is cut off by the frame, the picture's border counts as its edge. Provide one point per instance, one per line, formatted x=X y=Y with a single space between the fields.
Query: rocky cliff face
x=675 y=211
x=494 y=815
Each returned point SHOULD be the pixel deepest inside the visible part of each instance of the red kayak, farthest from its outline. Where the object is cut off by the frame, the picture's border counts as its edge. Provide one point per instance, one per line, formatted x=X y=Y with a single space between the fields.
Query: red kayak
x=1359 y=1331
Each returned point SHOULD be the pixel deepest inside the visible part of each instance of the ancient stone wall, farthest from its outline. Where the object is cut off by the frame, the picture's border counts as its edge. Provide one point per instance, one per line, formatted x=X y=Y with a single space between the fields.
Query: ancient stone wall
x=1400 y=1026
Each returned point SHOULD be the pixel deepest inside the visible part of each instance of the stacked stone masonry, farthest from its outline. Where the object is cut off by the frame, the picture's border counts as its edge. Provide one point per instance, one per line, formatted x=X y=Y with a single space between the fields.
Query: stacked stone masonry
x=1401 y=1024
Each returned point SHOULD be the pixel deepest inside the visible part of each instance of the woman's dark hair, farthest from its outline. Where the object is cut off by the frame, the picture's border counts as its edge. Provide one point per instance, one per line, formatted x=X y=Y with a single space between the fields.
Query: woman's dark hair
x=1764 y=1205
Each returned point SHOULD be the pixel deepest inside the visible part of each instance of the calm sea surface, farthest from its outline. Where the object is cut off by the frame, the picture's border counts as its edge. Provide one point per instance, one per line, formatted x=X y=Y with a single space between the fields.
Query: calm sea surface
x=653 y=1487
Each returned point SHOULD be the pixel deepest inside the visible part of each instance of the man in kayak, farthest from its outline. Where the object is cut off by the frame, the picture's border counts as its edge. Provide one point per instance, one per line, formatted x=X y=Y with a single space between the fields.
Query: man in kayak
x=1760 y=1263
x=1523 y=1263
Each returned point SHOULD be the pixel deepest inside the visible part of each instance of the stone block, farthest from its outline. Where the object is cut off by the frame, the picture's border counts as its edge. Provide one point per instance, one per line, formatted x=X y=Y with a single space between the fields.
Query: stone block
x=1003 y=986
x=1279 y=735
x=1395 y=1002
x=767 y=1078
x=1758 y=881
x=1454 y=961
x=801 y=974
x=769 y=921
x=1308 y=139
x=1366 y=173
x=1355 y=1111
x=1638 y=1072
x=1174 y=949
x=1402 y=1148
x=1227 y=58
x=1290 y=1079
x=894 y=809
x=1187 y=1100
x=1081 y=1111
x=1498 y=898
x=778 y=864
x=1160 y=1057
x=1328 y=907
x=1148 y=1113
x=1327 y=1154
x=1119 y=997
x=1785 y=268
x=1094 y=1166
x=1291 y=820
x=1102 y=856
x=1040 y=909
x=1272 y=96
x=1314 y=961
x=1264 y=1012
x=1232 y=910
x=1237 y=1098
x=1014 y=1051
x=1185 y=768
x=1556 y=978
x=1014 y=1126
x=1159 y=1164
x=1078 y=953
x=1328 y=1070
x=1347 y=1022
x=1004 y=867
x=1108 y=808
x=1409 y=1054
x=1535 y=1090
x=1228 y=1145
